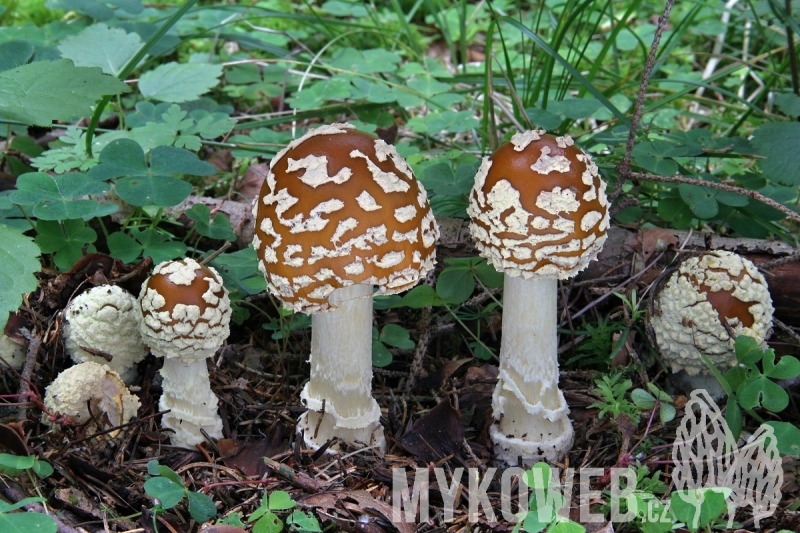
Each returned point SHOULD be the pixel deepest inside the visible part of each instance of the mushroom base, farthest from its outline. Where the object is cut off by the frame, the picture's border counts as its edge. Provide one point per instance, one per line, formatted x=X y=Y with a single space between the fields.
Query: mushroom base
x=192 y=403
x=313 y=424
x=340 y=383
x=532 y=416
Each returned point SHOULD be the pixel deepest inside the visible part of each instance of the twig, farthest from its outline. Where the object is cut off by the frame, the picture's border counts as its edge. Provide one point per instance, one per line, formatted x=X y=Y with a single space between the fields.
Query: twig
x=300 y=480
x=424 y=328
x=755 y=195
x=624 y=166
x=34 y=341
x=787 y=329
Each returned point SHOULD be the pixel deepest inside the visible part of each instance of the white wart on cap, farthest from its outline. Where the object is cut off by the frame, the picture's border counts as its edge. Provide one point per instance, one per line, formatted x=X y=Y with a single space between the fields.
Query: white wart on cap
x=340 y=207
x=539 y=207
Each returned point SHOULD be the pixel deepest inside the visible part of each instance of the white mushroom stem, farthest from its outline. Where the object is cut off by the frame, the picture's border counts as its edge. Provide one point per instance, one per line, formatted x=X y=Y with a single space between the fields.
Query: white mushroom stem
x=338 y=394
x=191 y=403
x=531 y=413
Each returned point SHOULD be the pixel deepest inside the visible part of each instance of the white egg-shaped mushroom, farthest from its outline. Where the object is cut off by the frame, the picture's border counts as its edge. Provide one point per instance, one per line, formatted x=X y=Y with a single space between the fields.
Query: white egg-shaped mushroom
x=185 y=319
x=709 y=301
x=92 y=395
x=105 y=320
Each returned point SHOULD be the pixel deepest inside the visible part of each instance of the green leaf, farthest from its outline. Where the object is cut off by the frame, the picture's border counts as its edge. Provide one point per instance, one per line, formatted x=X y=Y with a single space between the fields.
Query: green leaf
x=397 y=336
x=159 y=246
x=420 y=296
x=168 y=493
x=14 y=464
x=240 y=269
x=201 y=507
x=773 y=141
x=381 y=356
x=280 y=500
x=123 y=247
x=52 y=196
x=93 y=47
x=789 y=103
x=303 y=522
x=155 y=185
x=179 y=82
x=788 y=437
x=14 y=54
x=701 y=200
x=656 y=157
x=152 y=467
x=711 y=503
x=455 y=285
x=42 y=469
x=762 y=392
x=370 y=61
x=20 y=259
x=43 y=91
x=66 y=240
x=643 y=399
x=747 y=350
x=269 y=523
x=219 y=228
x=788 y=367
x=566 y=526
x=733 y=417
x=27 y=523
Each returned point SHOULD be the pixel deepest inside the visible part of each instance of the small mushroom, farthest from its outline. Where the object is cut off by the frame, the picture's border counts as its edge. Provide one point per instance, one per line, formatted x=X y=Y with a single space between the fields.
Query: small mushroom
x=709 y=301
x=340 y=212
x=185 y=319
x=90 y=394
x=105 y=320
x=538 y=213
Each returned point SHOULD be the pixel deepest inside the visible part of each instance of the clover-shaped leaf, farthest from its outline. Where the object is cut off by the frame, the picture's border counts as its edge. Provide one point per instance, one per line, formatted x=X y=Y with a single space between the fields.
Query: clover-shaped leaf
x=761 y=391
x=156 y=184
x=52 y=197
x=219 y=228
x=67 y=241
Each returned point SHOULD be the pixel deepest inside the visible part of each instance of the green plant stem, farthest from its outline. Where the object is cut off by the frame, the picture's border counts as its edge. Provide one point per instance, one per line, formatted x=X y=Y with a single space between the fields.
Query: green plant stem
x=131 y=66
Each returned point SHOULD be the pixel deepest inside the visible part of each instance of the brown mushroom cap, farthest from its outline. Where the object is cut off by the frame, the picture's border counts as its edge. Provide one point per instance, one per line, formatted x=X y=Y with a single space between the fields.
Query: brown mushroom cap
x=538 y=207
x=185 y=310
x=340 y=207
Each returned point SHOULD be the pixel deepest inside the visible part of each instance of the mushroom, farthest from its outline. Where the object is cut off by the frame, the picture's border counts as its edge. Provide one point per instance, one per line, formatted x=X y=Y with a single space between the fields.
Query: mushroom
x=709 y=301
x=185 y=319
x=340 y=212
x=105 y=320
x=538 y=213
x=90 y=394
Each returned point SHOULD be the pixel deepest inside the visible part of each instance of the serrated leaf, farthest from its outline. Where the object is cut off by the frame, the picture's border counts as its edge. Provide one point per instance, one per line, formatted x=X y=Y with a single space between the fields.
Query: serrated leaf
x=92 y=48
x=20 y=259
x=201 y=507
x=774 y=142
x=789 y=103
x=179 y=82
x=14 y=54
x=43 y=91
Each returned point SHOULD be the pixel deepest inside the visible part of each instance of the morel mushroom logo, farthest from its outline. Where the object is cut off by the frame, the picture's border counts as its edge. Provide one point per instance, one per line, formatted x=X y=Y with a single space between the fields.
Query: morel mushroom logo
x=706 y=455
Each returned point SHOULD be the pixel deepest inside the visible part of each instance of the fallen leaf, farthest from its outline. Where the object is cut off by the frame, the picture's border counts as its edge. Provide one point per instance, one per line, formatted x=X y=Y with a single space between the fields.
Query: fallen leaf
x=437 y=434
x=356 y=502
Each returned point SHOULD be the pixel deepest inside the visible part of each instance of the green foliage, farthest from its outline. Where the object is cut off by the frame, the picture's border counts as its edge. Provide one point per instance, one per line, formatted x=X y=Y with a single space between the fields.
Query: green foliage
x=393 y=335
x=90 y=48
x=60 y=197
x=168 y=489
x=179 y=82
x=266 y=517
x=40 y=92
x=648 y=399
x=751 y=384
x=699 y=508
x=613 y=389
x=544 y=503
x=20 y=257
x=24 y=522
